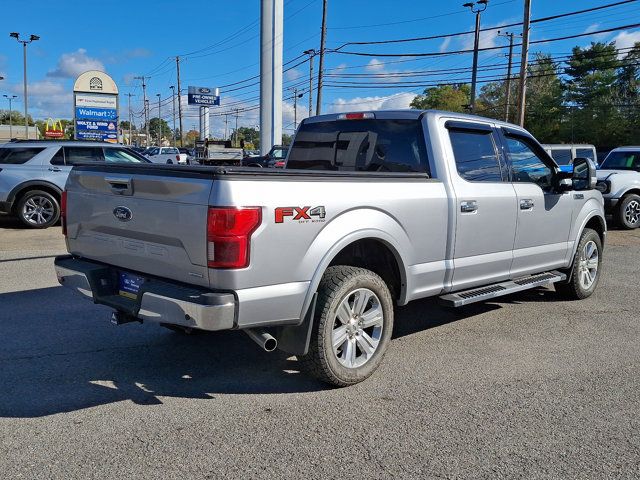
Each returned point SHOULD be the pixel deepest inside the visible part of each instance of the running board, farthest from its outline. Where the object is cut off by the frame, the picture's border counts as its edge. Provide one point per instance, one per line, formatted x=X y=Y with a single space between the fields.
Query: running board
x=480 y=294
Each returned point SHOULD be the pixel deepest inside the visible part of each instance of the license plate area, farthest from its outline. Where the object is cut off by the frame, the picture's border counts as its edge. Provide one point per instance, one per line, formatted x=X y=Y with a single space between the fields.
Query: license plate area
x=129 y=284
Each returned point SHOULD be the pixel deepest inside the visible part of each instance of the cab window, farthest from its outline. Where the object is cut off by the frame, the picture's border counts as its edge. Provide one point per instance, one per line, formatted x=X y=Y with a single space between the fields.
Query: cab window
x=120 y=155
x=562 y=156
x=526 y=165
x=586 y=153
x=475 y=155
x=75 y=155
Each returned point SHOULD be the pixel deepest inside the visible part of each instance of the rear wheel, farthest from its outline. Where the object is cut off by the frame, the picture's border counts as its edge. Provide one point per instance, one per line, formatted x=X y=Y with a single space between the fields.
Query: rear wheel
x=628 y=212
x=585 y=270
x=352 y=326
x=38 y=209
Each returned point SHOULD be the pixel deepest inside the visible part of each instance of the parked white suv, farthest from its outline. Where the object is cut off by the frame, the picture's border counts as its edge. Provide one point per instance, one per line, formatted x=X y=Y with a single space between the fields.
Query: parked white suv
x=619 y=182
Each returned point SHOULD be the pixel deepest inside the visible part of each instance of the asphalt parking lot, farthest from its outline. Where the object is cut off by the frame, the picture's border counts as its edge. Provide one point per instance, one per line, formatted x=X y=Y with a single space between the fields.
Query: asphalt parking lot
x=528 y=387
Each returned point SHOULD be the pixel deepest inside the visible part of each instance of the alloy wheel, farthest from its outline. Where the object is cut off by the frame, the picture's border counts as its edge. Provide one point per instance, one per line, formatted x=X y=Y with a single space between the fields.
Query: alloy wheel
x=588 y=266
x=38 y=210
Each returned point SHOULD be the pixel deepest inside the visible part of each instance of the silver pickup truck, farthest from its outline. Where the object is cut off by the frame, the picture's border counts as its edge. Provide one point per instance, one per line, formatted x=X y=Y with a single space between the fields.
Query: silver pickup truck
x=373 y=210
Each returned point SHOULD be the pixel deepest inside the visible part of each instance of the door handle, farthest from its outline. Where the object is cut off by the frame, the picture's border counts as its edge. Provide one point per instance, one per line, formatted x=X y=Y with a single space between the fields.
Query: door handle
x=54 y=169
x=526 y=204
x=469 y=206
x=120 y=186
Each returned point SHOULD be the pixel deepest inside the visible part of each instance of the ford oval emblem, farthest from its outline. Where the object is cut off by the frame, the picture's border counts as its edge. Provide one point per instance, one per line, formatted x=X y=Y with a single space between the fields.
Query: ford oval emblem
x=123 y=214
x=204 y=90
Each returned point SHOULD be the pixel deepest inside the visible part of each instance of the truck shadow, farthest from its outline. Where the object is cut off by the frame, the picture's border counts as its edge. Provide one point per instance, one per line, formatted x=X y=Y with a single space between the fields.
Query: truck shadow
x=59 y=354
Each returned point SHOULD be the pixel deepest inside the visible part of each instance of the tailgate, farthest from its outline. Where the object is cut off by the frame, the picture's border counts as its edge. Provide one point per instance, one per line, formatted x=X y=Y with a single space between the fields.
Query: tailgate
x=143 y=219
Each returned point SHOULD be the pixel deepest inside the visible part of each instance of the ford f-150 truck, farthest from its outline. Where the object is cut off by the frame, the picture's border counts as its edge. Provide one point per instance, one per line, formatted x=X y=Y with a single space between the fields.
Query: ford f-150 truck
x=373 y=209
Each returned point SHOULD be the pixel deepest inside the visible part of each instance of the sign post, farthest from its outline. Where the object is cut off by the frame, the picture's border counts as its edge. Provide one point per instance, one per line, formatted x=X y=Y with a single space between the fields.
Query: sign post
x=95 y=101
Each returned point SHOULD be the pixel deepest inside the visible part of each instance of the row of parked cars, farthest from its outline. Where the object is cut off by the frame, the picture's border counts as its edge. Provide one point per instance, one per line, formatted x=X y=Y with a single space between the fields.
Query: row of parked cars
x=33 y=173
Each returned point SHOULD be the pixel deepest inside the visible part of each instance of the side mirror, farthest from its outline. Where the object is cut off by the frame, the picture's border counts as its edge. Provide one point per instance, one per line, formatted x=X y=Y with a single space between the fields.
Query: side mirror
x=584 y=174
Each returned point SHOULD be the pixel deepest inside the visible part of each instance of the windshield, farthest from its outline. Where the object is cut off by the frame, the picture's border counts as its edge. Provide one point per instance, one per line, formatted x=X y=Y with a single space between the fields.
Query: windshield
x=620 y=160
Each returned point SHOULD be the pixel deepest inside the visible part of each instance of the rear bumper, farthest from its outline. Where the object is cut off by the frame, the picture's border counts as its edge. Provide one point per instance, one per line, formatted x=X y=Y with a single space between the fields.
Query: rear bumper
x=158 y=300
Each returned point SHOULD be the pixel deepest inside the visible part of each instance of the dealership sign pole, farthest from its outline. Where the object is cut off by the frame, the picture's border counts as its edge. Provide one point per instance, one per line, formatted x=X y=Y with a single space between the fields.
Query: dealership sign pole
x=95 y=107
x=204 y=97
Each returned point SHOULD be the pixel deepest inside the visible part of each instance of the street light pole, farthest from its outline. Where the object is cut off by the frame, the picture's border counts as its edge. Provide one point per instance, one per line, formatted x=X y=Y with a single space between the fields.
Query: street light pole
x=159 y=122
x=173 y=100
x=32 y=38
x=10 y=98
x=312 y=54
x=477 y=8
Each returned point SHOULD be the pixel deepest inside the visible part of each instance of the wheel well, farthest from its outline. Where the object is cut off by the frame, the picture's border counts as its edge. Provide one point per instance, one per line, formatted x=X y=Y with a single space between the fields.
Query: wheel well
x=597 y=224
x=633 y=191
x=45 y=188
x=376 y=256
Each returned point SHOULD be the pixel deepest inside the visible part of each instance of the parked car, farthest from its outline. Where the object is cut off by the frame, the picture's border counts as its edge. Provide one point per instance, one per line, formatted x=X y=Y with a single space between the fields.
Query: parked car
x=373 y=209
x=169 y=155
x=619 y=182
x=564 y=154
x=278 y=153
x=187 y=154
x=139 y=150
x=33 y=174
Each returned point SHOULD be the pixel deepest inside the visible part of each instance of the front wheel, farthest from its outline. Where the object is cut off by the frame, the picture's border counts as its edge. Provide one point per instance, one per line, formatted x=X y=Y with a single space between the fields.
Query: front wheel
x=586 y=268
x=352 y=326
x=628 y=212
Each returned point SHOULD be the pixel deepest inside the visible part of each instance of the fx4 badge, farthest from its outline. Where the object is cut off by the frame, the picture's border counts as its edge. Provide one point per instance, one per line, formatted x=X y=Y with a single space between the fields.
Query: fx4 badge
x=301 y=214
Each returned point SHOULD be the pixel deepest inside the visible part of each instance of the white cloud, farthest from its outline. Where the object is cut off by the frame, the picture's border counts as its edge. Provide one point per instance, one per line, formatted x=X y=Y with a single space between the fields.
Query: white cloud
x=445 y=44
x=47 y=98
x=626 y=40
x=594 y=28
x=488 y=38
x=292 y=74
x=398 y=101
x=70 y=65
x=375 y=66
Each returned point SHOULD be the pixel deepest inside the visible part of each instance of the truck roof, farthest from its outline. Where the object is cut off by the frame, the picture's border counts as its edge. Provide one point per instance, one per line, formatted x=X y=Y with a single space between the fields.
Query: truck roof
x=411 y=114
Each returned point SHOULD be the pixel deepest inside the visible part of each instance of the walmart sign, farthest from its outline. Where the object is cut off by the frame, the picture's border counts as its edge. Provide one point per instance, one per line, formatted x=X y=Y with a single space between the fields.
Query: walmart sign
x=96 y=113
x=96 y=107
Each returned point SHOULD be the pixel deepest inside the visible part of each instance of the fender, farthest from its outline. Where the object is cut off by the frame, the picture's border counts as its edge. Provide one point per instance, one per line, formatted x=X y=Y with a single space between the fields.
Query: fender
x=361 y=223
x=592 y=208
x=30 y=184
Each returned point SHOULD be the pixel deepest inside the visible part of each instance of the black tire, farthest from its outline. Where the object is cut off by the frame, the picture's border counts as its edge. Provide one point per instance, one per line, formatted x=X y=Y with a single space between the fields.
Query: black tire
x=339 y=284
x=574 y=288
x=38 y=209
x=627 y=212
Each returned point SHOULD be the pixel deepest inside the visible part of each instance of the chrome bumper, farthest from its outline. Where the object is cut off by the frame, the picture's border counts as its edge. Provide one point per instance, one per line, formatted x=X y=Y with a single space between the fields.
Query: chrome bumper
x=158 y=300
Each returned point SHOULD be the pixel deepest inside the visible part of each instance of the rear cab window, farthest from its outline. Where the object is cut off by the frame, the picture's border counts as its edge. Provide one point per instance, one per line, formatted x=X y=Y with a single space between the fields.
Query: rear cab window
x=364 y=145
x=562 y=156
x=475 y=152
x=18 y=155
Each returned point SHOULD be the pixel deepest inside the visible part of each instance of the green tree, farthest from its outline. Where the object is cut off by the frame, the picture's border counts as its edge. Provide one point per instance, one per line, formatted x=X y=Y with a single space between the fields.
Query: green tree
x=545 y=111
x=591 y=92
x=155 y=125
x=453 y=98
x=17 y=118
x=249 y=135
x=191 y=137
x=286 y=139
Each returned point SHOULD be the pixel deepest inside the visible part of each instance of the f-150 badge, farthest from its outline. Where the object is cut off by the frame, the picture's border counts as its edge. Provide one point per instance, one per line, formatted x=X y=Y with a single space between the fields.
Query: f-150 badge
x=301 y=214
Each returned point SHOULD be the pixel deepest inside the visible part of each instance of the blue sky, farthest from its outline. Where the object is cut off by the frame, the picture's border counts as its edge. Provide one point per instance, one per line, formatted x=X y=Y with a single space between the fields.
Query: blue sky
x=219 y=42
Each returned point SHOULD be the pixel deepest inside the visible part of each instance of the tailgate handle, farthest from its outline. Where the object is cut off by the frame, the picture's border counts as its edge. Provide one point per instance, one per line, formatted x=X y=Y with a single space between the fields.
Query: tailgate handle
x=120 y=186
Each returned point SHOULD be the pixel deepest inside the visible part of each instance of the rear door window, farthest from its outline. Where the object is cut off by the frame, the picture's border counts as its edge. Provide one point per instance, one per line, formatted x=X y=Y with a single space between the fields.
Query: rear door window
x=476 y=156
x=120 y=155
x=75 y=155
x=18 y=155
x=360 y=145
x=562 y=156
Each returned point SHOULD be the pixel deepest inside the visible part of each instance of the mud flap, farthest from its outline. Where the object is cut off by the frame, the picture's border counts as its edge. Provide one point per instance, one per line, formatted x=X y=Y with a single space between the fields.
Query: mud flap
x=295 y=339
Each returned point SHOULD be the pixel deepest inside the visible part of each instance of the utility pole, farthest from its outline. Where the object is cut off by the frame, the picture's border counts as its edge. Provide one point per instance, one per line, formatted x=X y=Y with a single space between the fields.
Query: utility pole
x=10 y=98
x=173 y=100
x=147 y=116
x=129 y=95
x=235 y=137
x=507 y=101
x=312 y=54
x=144 y=103
x=323 y=39
x=522 y=93
x=226 y=121
x=179 y=101
x=32 y=38
x=159 y=122
x=295 y=108
x=477 y=8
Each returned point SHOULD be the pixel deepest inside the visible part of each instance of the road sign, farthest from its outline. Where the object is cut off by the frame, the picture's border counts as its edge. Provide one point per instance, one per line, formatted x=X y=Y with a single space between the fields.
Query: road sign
x=203 y=96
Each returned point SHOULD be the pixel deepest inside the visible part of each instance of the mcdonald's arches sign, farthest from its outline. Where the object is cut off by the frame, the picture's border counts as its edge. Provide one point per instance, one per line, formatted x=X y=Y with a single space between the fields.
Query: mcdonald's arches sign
x=53 y=129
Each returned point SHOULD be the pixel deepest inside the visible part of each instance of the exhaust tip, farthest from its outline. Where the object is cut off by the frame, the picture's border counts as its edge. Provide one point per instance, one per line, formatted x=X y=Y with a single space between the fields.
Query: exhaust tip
x=270 y=344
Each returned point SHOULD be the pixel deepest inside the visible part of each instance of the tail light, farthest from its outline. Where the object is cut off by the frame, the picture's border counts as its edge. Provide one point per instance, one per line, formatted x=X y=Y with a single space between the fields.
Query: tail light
x=229 y=232
x=63 y=212
x=356 y=116
x=177 y=158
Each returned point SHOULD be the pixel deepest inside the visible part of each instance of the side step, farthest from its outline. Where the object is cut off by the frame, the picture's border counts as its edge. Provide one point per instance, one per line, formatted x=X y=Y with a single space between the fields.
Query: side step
x=480 y=294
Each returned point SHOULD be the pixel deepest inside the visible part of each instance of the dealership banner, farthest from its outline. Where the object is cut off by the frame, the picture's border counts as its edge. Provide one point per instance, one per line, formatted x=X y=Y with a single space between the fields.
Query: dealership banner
x=203 y=96
x=95 y=135
x=96 y=125
x=95 y=106
x=99 y=101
